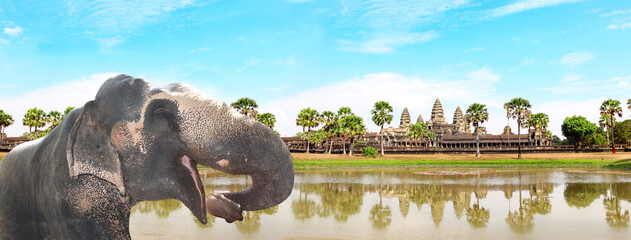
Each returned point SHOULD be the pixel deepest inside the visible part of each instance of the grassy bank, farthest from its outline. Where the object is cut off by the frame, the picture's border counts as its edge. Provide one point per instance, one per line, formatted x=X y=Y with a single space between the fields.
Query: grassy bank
x=607 y=160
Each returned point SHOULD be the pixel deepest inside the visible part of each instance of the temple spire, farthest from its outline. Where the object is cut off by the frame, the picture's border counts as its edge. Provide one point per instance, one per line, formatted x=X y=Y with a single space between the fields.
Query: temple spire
x=405 y=119
x=420 y=119
x=438 y=115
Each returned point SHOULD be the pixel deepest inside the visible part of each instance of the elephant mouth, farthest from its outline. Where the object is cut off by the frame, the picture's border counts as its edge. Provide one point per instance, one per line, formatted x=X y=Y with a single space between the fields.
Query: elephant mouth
x=196 y=203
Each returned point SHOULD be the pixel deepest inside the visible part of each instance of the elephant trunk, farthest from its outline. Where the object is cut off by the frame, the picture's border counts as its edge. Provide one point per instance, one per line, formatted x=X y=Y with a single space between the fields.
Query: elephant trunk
x=238 y=145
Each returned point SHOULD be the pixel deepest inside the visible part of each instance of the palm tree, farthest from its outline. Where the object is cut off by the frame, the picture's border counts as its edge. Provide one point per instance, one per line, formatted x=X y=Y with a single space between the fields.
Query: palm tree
x=603 y=122
x=476 y=114
x=611 y=108
x=382 y=114
x=518 y=108
x=308 y=118
x=245 y=105
x=5 y=121
x=34 y=117
x=418 y=131
x=539 y=121
x=267 y=118
x=353 y=126
x=342 y=113
x=54 y=118
x=331 y=126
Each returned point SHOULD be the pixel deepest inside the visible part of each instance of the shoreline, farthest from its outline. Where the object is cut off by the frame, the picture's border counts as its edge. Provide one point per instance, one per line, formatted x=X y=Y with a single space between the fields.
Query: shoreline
x=618 y=161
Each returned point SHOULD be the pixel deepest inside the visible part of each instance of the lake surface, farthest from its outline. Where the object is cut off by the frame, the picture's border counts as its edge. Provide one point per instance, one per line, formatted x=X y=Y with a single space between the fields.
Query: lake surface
x=413 y=204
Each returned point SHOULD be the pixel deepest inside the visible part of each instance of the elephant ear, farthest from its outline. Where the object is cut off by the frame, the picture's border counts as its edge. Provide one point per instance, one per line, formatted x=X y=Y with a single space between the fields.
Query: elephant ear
x=90 y=151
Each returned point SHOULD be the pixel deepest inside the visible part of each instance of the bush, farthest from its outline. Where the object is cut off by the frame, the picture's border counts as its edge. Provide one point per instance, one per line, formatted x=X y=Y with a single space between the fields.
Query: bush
x=370 y=152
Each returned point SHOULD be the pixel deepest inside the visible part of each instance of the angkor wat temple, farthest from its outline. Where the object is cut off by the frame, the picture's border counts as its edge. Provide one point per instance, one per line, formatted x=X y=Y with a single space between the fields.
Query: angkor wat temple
x=457 y=134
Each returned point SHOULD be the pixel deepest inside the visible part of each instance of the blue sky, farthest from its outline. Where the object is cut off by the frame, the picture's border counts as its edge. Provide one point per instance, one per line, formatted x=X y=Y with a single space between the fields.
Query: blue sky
x=565 y=56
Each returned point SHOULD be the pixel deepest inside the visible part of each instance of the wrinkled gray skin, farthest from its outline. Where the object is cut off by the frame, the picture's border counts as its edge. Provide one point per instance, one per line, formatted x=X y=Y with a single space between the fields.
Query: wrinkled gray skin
x=137 y=142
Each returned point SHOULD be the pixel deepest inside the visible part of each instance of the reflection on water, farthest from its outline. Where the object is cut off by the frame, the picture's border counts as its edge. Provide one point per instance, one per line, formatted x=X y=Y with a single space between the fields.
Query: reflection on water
x=363 y=204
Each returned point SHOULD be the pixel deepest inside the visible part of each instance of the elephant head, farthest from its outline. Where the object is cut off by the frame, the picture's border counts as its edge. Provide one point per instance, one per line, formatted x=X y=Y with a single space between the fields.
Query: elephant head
x=147 y=141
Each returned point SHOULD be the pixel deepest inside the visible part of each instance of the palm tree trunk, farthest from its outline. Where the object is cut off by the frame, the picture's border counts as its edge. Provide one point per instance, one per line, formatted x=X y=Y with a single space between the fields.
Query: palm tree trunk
x=1 y=134
x=330 y=145
x=607 y=135
x=381 y=139
x=518 y=138
x=344 y=144
x=613 y=143
x=350 y=151
x=308 y=139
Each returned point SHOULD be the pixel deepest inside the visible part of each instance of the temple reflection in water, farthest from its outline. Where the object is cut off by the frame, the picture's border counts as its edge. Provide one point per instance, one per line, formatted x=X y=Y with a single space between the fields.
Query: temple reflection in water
x=519 y=202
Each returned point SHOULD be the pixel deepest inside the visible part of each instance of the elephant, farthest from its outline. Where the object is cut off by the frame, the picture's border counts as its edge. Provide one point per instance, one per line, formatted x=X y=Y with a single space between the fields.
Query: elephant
x=137 y=141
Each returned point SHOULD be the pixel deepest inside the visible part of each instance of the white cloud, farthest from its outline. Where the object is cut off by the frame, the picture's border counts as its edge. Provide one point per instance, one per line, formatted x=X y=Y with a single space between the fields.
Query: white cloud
x=620 y=26
x=13 y=32
x=395 y=13
x=525 y=5
x=286 y=61
x=205 y=49
x=119 y=16
x=111 y=41
x=576 y=84
x=572 y=78
x=380 y=26
x=73 y=93
x=474 y=50
x=576 y=58
x=523 y=63
x=387 y=42
x=250 y=63
x=621 y=19
x=4 y=42
x=418 y=94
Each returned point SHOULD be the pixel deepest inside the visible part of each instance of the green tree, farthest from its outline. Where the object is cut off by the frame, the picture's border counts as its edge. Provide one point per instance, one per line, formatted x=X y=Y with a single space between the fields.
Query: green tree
x=5 y=121
x=308 y=118
x=246 y=106
x=578 y=128
x=476 y=114
x=331 y=127
x=611 y=108
x=623 y=132
x=54 y=118
x=34 y=118
x=317 y=137
x=418 y=131
x=342 y=113
x=381 y=114
x=267 y=118
x=353 y=126
x=518 y=108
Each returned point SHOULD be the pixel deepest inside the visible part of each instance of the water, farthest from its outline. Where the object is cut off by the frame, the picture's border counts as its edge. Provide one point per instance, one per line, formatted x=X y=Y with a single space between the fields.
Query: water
x=410 y=204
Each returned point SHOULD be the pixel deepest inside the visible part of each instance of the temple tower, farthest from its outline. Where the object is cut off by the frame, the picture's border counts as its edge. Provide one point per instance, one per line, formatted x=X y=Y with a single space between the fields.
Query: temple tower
x=420 y=119
x=459 y=122
x=437 y=113
x=405 y=119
